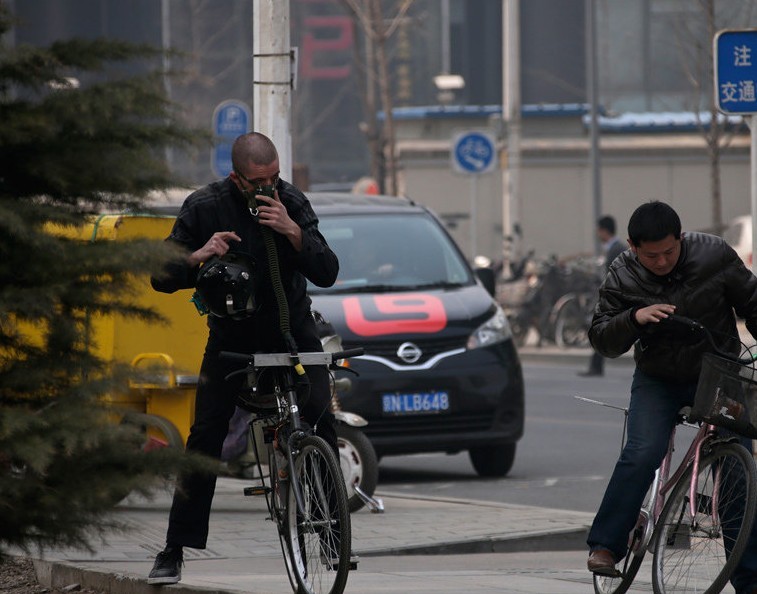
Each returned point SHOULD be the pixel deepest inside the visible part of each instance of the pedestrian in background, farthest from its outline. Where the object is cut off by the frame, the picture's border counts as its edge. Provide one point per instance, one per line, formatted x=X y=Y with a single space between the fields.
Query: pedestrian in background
x=612 y=247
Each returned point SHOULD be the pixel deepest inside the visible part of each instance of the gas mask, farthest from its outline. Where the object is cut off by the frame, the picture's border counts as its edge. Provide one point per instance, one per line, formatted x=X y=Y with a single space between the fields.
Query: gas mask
x=252 y=203
x=265 y=190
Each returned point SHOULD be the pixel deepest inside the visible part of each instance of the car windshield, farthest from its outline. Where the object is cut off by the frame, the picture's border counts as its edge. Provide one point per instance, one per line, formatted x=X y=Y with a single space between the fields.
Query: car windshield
x=391 y=252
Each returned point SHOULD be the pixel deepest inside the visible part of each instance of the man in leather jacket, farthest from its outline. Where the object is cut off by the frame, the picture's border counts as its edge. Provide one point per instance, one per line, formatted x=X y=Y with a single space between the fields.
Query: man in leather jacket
x=695 y=275
x=213 y=221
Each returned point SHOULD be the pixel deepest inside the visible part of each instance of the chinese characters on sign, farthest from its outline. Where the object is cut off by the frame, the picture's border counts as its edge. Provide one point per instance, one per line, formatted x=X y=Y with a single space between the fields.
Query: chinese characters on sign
x=736 y=71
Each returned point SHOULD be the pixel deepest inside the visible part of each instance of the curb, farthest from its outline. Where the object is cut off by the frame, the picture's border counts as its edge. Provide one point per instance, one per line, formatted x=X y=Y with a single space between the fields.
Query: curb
x=571 y=539
x=53 y=574
x=56 y=574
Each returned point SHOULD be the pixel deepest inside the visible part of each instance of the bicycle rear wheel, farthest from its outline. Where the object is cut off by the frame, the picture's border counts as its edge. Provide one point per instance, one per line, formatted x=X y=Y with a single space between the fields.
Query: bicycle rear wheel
x=319 y=538
x=698 y=554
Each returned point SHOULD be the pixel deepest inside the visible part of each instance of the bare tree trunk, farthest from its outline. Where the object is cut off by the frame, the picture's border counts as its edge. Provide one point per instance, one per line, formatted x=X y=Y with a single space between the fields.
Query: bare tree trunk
x=375 y=142
x=365 y=65
x=369 y=14
x=385 y=92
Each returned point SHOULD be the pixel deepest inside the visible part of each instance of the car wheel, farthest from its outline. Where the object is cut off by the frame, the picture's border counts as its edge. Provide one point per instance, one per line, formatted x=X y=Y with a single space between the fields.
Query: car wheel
x=159 y=431
x=359 y=464
x=494 y=460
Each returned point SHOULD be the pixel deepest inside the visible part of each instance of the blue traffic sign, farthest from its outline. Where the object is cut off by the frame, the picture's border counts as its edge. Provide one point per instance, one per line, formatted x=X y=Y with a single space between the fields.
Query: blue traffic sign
x=473 y=152
x=736 y=71
x=230 y=119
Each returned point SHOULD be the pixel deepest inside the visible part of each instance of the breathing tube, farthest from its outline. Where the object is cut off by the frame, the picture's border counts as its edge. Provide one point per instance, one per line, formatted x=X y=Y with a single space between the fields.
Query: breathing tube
x=274 y=273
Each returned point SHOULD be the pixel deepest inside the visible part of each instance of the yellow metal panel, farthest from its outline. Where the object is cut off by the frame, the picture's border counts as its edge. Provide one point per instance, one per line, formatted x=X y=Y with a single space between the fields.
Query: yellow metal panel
x=184 y=335
x=181 y=340
x=176 y=405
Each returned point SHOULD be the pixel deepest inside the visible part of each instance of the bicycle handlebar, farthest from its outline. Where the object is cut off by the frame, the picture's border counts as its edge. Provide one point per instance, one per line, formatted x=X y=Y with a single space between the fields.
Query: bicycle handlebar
x=289 y=360
x=694 y=329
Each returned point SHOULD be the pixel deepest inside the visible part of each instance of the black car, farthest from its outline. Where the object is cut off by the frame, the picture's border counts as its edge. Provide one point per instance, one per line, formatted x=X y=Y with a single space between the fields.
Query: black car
x=440 y=371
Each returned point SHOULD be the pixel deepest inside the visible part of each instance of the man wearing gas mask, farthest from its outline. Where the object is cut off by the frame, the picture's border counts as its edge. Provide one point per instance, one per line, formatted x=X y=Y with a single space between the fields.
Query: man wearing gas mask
x=232 y=219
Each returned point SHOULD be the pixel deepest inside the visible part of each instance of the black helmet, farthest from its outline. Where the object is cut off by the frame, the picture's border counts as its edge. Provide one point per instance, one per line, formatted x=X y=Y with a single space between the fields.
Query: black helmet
x=226 y=286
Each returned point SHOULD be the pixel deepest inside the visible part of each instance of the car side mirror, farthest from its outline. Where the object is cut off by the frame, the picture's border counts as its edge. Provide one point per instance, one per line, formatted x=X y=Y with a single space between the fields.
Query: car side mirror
x=486 y=276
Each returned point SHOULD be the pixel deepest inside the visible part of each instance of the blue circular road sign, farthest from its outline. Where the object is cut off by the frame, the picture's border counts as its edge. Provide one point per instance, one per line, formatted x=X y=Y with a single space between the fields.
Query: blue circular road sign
x=473 y=152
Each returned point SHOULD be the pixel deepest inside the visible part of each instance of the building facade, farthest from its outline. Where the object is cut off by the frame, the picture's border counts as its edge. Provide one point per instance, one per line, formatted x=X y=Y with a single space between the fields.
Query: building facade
x=653 y=57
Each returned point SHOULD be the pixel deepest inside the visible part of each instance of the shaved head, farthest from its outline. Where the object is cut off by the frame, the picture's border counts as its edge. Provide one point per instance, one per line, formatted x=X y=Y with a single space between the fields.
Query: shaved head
x=253 y=148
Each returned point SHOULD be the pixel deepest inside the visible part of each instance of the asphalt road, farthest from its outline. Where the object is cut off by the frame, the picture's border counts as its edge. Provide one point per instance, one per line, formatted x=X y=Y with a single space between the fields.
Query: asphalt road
x=564 y=459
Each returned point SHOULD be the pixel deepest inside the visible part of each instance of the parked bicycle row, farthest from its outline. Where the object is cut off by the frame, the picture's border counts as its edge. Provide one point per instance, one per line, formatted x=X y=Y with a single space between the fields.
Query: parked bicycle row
x=552 y=298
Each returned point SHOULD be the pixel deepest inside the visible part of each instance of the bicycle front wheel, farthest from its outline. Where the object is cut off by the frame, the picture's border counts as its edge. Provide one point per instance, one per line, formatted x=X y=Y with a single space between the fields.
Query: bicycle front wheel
x=697 y=553
x=637 y=548
x=319 y=535
x=277 y=501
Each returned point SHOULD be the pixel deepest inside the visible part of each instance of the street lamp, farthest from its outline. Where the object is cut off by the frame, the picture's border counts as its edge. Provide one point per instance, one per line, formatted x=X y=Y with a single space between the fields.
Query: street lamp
x=447 y=84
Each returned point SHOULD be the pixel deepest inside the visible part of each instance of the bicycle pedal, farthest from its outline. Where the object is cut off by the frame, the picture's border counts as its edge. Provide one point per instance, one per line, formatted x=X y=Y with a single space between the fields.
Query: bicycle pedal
x=256 y=490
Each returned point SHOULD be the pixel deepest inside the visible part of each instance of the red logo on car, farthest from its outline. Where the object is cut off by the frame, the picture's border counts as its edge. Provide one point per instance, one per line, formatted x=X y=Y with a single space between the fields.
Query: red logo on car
x=400 y=313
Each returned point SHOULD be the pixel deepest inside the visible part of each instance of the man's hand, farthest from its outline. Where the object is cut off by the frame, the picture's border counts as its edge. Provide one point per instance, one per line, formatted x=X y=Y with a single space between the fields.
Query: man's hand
x=272 y=213
x=652 y=314
x=217 y=245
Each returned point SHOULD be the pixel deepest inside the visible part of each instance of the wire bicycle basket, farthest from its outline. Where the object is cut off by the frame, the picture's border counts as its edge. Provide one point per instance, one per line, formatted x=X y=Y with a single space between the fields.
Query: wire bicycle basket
x=726 y=395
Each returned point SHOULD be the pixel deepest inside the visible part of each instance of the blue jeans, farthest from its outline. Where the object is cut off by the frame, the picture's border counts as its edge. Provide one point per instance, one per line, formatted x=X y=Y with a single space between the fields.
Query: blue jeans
x=651 y=417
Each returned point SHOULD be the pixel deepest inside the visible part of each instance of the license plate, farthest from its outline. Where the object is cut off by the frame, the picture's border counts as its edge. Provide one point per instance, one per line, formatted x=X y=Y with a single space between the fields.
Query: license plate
x=415 y=403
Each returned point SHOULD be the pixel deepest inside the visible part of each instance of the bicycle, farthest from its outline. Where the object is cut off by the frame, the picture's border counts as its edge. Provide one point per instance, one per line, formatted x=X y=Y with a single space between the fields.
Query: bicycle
x=697 y=521
x=573 y=313
x=305 y=492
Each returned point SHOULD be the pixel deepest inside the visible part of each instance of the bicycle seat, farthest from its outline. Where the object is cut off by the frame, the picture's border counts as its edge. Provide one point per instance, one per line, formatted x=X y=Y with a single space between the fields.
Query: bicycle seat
x=683 y=414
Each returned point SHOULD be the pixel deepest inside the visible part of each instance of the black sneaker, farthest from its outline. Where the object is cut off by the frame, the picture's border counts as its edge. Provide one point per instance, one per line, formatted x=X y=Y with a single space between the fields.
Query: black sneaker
x=167 y=568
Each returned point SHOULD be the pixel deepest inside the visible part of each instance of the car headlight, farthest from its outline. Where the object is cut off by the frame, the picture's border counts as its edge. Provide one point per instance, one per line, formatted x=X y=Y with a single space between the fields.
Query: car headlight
x=495 y=329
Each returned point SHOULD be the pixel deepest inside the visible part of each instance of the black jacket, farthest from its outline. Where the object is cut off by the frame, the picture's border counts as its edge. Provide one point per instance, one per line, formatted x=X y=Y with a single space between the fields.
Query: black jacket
x=220 y=206
x=707 y=284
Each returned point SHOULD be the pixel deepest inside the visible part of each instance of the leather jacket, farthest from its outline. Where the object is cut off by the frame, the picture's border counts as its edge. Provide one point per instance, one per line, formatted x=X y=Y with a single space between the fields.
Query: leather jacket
x=220 y=206
x=709 y=284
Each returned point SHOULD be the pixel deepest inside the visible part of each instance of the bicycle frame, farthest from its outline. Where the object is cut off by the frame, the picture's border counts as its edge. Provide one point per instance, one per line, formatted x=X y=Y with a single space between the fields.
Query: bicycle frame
x=287 y=405
x=663 y=483
x=287 y=413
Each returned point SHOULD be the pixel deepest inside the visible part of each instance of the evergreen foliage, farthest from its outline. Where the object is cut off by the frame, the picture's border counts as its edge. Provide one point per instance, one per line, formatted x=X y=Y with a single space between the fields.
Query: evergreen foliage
x=67 y=152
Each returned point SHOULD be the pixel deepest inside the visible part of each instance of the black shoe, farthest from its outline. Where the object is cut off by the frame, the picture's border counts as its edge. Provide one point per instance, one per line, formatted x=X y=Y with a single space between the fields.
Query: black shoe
x=167 y=568
x=590 y=373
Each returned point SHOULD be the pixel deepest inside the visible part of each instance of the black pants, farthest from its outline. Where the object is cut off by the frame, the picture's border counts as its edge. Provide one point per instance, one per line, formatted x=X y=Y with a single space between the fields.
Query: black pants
x=596 y=363
x=214 y=406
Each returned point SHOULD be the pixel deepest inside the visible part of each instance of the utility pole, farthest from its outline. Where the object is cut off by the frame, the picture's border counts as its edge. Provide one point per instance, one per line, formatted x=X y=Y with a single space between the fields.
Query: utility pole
x=511 y=111
x=274 y=71
x=593 y=96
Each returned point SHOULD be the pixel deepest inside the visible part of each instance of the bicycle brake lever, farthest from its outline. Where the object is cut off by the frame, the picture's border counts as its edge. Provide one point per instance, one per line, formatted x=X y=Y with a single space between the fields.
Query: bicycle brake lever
x=335 y=367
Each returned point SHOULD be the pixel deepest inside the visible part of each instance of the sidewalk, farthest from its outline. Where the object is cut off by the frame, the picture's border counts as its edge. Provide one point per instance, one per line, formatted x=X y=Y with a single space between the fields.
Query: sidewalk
x=243 y=552
x=420 y=545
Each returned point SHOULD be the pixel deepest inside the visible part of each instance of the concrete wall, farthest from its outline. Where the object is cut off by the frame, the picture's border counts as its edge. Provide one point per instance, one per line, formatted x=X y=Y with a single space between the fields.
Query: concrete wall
x=555 y=207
